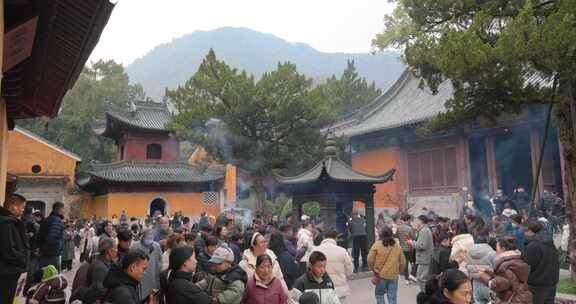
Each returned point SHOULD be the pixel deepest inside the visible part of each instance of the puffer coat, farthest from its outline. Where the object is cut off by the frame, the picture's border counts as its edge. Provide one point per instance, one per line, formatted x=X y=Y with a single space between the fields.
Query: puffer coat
x=509 y=279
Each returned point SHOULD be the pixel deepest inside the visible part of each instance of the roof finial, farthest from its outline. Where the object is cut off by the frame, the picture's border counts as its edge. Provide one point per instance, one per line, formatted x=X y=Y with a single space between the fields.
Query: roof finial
x=330 y=150
x=132 y=106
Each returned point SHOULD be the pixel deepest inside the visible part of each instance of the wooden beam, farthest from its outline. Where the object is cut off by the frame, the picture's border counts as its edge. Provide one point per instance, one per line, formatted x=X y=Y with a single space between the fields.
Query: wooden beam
x=370 y=219
x=535 y=148
x=491 y=164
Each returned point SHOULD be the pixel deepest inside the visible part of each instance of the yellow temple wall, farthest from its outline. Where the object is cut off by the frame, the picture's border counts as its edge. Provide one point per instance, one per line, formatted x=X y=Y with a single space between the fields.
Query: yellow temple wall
x=138 y=204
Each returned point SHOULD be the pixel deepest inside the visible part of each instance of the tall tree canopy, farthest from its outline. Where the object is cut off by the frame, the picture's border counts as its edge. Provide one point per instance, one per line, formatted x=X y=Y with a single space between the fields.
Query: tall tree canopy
x=349 y=92
x=103 y=84
x=499 y=55
x=258 y=125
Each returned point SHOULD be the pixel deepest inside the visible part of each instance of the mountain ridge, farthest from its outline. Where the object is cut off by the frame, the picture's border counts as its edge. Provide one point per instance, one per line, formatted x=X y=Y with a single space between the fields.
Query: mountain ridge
x=171 y=64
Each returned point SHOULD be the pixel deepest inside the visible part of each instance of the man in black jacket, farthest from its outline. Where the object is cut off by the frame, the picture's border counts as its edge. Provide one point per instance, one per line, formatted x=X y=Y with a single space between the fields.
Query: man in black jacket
x=542 y=256
x=15 y=250
x=122 y=282
x=50 y=240
x=177 y=284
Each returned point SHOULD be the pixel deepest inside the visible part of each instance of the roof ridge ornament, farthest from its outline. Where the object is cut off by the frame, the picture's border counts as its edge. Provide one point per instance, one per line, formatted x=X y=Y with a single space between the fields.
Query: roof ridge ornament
x=331 y=150
x=132 y=106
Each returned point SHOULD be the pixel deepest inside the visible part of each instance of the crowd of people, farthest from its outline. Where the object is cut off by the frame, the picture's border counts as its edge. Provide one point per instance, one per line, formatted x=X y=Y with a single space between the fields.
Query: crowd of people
x=161 y=259
x=457 y=261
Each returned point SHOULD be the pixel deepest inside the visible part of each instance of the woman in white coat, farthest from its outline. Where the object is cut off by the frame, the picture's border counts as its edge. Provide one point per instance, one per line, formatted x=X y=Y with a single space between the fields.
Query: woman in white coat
x=259 y=246
x=461 y=243
x=339 y=264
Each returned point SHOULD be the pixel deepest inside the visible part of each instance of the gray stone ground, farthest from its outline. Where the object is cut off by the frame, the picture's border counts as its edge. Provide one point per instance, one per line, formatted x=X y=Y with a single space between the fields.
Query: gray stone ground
x=363 y=292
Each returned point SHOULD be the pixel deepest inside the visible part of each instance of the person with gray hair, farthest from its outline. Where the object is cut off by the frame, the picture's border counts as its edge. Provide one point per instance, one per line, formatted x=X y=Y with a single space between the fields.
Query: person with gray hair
x=99 y=267
x=151 y=279
x=107 y=256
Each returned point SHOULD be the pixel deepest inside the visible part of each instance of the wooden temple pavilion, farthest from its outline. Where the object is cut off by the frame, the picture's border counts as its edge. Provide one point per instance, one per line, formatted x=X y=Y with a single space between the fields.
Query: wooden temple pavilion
x=335 y=185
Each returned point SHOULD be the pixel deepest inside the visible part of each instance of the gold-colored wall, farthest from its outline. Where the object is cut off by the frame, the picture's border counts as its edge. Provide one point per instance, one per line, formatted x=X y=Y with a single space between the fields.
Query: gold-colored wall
x=25 y=152
x=3 y=145
x=138 y=204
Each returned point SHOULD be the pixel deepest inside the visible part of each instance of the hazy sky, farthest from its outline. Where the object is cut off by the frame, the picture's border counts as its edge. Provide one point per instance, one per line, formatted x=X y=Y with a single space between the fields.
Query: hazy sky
x=137 y=26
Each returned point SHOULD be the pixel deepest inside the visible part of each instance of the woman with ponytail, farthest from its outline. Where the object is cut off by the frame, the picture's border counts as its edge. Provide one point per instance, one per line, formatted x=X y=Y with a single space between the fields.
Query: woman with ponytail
x=450 y=287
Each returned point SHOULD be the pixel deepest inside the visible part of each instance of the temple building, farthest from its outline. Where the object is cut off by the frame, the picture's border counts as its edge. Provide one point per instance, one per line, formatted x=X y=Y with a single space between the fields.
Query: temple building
x=45 y=172
x=147 y=174
x=439 y=171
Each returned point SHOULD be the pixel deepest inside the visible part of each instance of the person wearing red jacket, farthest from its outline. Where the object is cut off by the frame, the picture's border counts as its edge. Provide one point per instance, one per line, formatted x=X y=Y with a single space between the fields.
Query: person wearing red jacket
x=263 y=287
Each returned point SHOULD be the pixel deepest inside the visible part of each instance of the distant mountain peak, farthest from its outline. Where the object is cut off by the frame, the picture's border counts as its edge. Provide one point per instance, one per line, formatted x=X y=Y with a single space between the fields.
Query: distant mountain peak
x=172 y=63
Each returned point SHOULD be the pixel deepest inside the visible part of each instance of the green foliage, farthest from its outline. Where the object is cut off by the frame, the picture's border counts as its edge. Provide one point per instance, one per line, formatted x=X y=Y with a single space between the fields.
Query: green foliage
x=499 y=56
x=273 y=122
x=83 y=106
x=311 y=209
x=487 y=49
x=349 y=92
x=566 y=286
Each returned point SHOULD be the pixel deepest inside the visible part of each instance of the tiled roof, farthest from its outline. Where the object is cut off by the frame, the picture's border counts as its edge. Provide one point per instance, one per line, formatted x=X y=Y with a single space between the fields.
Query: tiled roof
x=403 y=104
x=146 y=115
x=406 y=103
x=337 y=170
x=146 y=172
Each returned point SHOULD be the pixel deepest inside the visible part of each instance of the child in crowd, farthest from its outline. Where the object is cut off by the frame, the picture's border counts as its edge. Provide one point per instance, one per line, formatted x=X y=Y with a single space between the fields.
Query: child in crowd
x=51 y=289
x=316 y=280
x=440 y=261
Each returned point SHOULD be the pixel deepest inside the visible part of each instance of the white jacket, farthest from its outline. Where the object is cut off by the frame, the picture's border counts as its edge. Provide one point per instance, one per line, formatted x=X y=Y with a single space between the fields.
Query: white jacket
x=305 y=239
x=339 y=265
x=460 y=250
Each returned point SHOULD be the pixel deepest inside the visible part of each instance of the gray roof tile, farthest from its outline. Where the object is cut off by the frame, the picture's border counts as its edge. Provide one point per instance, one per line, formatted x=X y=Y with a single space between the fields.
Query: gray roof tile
x=403 y=104
x=146 y=172
x=144 y=115
x=337 y=170
x=406 y=103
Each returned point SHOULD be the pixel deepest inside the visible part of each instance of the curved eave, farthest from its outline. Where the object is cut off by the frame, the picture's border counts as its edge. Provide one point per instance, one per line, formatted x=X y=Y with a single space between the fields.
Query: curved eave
x=95 y=180
x=122 y=126
x=327 y=167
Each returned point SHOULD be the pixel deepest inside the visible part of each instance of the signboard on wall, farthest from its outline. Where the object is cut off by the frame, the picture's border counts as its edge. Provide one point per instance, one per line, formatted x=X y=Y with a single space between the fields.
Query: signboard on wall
x=18 y=43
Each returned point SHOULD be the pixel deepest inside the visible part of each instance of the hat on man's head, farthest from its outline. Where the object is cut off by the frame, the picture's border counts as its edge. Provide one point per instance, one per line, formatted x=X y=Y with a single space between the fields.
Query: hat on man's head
x=179 y=256
x=222 y=254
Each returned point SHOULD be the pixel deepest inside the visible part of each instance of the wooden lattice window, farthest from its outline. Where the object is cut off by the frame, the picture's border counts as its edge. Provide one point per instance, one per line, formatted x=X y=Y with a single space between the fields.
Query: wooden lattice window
x=154 y=151
x=209 y=198
x=432 y=169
